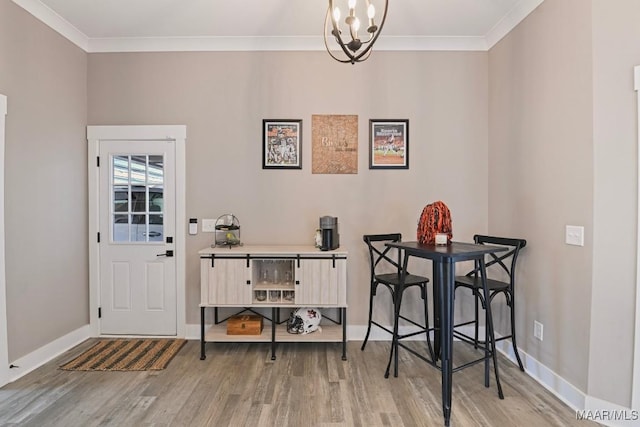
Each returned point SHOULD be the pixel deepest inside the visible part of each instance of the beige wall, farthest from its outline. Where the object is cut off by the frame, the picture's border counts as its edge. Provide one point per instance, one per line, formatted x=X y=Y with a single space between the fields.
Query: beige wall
x=541 y=176
x=563 y=150
x=223 y=97
x=616 y=50
x=45 y=79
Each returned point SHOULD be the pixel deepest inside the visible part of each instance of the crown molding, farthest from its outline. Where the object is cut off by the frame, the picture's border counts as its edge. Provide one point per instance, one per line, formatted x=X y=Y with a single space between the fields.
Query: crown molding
x=287 y=43
x=306 y=43
x=520 y=11
x=195 y=44
x=426 y=43
x=55 y=21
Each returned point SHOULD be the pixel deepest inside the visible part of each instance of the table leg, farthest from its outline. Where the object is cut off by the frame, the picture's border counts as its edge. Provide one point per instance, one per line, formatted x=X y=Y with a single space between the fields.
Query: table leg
x=446 y=283
x=436 y=310
x=273 y=332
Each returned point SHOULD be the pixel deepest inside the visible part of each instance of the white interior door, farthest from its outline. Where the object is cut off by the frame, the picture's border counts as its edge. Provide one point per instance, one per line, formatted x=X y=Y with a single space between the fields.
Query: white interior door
x=137 y=229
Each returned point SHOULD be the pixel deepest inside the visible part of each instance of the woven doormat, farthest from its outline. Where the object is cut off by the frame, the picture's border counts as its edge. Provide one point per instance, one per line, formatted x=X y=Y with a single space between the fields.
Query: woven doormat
x=126 y=355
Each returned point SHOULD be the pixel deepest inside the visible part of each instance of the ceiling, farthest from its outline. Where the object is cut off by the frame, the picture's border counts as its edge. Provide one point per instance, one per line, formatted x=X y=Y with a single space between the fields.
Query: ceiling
x=173 y=25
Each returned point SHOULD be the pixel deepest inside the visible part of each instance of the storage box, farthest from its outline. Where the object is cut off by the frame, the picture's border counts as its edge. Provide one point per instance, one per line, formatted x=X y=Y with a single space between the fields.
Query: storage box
x=244 y=325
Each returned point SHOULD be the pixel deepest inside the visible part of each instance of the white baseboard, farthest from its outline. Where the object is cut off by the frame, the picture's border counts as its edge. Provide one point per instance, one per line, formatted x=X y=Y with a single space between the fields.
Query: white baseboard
x=44 y=354
x=192 y=332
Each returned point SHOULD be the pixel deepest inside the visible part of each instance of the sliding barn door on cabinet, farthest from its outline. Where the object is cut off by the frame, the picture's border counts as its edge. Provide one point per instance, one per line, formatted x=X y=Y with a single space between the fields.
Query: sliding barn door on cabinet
x=321 y=282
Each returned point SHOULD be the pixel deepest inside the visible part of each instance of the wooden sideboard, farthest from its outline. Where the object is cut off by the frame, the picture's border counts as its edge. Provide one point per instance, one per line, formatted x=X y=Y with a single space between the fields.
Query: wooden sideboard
x=271 y=281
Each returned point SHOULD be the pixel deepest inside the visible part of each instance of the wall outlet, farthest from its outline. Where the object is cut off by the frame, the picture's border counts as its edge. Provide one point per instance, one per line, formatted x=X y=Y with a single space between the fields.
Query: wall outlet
x=208 y=225
x=574 y=235
x=537 y=330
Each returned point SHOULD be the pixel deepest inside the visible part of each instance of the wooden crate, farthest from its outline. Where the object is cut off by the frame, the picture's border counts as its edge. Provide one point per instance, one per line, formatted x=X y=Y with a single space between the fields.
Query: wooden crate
x=244 y=324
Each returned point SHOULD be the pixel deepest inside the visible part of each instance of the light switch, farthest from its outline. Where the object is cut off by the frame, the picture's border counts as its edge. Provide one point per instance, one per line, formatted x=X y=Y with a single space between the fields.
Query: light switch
x=208 y=225
x=574 y=235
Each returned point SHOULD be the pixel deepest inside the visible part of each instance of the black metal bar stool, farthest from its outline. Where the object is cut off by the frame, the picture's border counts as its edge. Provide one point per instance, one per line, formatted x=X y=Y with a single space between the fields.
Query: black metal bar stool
x=505 y=265
x=386 y=271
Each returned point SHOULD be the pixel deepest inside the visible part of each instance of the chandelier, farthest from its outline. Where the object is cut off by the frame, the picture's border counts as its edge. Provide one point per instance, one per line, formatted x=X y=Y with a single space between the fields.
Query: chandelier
x=355 y=49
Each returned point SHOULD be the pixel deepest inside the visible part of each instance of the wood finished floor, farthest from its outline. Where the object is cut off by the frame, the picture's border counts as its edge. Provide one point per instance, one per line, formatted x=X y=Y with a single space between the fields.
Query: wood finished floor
x=308 y=385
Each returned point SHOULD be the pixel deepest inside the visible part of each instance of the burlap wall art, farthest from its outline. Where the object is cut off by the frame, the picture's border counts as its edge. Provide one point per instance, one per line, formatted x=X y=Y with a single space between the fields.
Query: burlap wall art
x=334 y=140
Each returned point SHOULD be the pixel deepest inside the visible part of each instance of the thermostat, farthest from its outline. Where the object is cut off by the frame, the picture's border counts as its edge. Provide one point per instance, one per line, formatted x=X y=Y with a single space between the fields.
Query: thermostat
x=193 y=226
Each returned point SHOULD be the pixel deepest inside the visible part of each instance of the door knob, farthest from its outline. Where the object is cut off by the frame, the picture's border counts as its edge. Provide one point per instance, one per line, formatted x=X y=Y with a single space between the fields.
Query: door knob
x=168 y=253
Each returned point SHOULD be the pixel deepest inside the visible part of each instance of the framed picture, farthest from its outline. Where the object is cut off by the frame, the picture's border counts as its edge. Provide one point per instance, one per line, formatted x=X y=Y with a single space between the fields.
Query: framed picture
x=389 y=144
x=282 y=144
x=334 y=144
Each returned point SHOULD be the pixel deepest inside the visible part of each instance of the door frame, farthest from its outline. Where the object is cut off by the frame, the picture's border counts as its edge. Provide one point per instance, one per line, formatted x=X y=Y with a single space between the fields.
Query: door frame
x=635 y=384
x=4 y=330
x=95 y=134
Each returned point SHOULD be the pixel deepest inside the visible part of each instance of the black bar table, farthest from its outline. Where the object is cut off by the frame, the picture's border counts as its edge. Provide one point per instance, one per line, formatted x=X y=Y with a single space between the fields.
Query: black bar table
x=443 y=258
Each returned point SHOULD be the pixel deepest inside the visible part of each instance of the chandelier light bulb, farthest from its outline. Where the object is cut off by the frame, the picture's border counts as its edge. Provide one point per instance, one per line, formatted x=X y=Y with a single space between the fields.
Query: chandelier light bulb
x=356 y=25
x=371 y=12
x=350 y=47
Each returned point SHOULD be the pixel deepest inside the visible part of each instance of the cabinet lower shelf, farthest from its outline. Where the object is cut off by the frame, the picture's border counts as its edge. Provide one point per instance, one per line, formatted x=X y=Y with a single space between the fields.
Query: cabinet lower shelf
x=331 y=331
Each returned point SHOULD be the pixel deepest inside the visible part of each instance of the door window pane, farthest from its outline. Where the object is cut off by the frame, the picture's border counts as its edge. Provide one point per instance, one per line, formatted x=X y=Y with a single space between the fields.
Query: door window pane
x=156 y=170
x=138 y=228
x=155 y=228
x=121 y=228
x=121 y=170
x=156 y=197
x=120 y=198
x=137 y=190
x=138 y=170
x=138 y=198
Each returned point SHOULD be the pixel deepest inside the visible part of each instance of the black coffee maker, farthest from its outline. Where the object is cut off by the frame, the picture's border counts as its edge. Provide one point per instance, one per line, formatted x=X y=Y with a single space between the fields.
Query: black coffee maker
x=329 y=231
